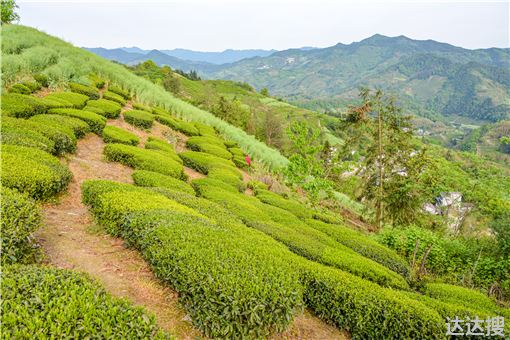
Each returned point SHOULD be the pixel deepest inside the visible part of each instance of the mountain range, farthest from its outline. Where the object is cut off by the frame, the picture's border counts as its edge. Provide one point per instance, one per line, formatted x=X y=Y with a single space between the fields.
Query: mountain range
x=431 y=79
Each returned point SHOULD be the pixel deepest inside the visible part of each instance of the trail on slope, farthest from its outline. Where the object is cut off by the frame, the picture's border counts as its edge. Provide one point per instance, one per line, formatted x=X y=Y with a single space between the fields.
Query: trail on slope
x=71 y=240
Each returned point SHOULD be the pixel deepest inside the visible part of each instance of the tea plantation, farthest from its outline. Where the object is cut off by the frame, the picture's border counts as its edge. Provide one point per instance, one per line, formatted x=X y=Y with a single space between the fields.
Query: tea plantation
x=244 y=262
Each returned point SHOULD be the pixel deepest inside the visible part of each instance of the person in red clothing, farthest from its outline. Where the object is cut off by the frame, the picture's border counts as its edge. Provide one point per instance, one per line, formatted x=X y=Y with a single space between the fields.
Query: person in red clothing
x=248 y=160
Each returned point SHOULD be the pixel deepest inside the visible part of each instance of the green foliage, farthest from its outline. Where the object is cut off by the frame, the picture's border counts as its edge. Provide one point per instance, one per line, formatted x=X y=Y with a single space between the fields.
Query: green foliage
x=276 y=200
x=203 y=144
x=109 y=95
x=120 y=91
x=153 y=179
x=155 y=143
x=139 y=118
x=20 y=88
x=178 y=125
x=8 y=13
x=23 y=136
x=63 y=138
x=143 y=159
x=460 y=295
x=69 y=99
x=33 y=171
x=97 y=81
x=68 y=304
x=363 y=245
x=501 y=228
x=106 y=108
x=505 y=144
x=140 y=106
x=78 y=127
x=231 y=112
x=89 y=91
x=232 y=178
x=257 y=185
x=21 y=216
x=204 y=162
x=205 y=130
x=32 y=85
x=96 y=122
x=113 y=134
x=24 y=106
x=42 y=79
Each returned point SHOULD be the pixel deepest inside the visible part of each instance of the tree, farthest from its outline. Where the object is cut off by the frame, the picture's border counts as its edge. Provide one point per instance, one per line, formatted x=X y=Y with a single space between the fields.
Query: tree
x=264 y=91
x=171 y=83
x=273 y=129
x=306 y=168
x=231 y=111
x=391 y=165
x=504 y=144
x=8 y=13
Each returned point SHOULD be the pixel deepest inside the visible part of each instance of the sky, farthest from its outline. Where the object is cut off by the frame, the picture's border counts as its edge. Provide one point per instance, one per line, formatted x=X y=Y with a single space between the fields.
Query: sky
x=216 y=25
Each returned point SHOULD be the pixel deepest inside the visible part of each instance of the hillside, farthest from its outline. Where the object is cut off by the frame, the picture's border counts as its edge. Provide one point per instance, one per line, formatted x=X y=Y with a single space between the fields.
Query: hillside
x=153 y=225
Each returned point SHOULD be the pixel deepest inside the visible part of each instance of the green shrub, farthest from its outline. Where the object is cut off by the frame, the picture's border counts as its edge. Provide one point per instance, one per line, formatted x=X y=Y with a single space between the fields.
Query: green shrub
x=96 y=122
x=69 y=99
x=20 y=218
x=143 y=159
x=23 y=106
x=205 y=130
x=106 y=108
x=62 y=137
x=231 y=144
x=460 y=295
x=153 y=179
x=237 y=152
x=229 y=177
x=33 y=171
x=207 y=140
x=139 y=118
x=155 y=143
x=276 y=200
x=78 y=127
x=240 y=162
x=89 y=91
x=32 y=85
x=42 y=79
x=254 y=185
x=328 y=217
x=109 y=95
x=203 y=162
x=16 y=135
x=140 y=106
x=44 y=302
x=120 y=91
x=366 y=310
x=20 y=88
x=178 y=125
x=97 y=81
x=113 y=134
x=363 y=245
x=199 y=184
x=203 y=144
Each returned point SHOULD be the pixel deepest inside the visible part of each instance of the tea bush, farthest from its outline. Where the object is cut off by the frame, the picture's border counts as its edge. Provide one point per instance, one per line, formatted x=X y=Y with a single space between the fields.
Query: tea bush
x=89 y=91
x=16 y=135
x=460 y=295
x=364 y=245
x=113 y=134
x=231 y=178
x=178 y=125
x=155 y=143
x=143 y=159
x=63 y=138
x=145 y=178
x=254 y=185
x=109 y=95
x=204 y=162
x=69 y=99
x=276 y=200
x=21 y=216
x=24 y=106
x=96 y=81
x=33 y=171
x=205 y=130
x=20 y=88
x=78 y=127
x=42 y=79
x=328 y=217
x=237 y=152
x=106 y=108
x=139 y=118
x=203 y=144
x=32 y=85
x=140 y=106
x=120 y=91
x=45 y=302
x=96 y=122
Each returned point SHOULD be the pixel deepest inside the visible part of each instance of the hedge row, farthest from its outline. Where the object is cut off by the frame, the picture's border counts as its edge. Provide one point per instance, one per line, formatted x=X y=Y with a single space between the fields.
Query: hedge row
x=96 y=122
x=139 y=118
x=363 y=245
x=140 y=106
x=229 y=176
x=233 y=284
x=208 y=145
x=45 y=302
x=299 y=237
x=97 y=81
x=17 y=135
x=20 y=88
x=276 y=200
x=178 y=125
x=143 y=159
x=145 y=178
x=113 y=134
x=63 y=138
x=33 y=171
x=89 y=91
x=23 y=106
x=74 y=125
x=460 y=295
x=120 y=91
x=205 y=130
x=69 y=99
x=204 y=162
x=21 y=216
x=106 y=108
x=109 y=95
x=155 y=143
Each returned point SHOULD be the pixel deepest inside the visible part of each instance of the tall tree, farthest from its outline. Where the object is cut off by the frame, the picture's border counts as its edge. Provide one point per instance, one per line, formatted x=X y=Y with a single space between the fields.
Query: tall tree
x=391 y=165
x=273 y=129
x=8 y=12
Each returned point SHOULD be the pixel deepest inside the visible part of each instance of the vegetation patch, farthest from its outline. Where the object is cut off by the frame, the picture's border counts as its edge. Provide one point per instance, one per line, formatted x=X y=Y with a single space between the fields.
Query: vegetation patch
x=18 y=135
x=276 y=200
x=154 y=143
x=24 y=106
x=89 y=91
x=178 y=125
x=96 y=122
x=143 y=159
x=33 y=171
x=113 y=134
x=106 y=108
x=139 y=118
x=204 y=162
x=140 y=106
x=120 y=91
x=20 y=88
x=109 y=95
x=77 y=126
x=69 y=99
x=145 y=178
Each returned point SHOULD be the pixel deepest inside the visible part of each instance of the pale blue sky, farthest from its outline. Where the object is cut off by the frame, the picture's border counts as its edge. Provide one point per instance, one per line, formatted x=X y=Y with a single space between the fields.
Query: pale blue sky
x=279 y=24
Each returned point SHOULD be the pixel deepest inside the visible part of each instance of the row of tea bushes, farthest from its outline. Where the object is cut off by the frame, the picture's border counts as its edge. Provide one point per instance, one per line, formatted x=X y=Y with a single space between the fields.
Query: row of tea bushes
x=25 y=106
x=95 y=121
x=113 y=134
x=176 y=124
x=114 y=97
x=145 y=178
x=155 y=143
x=139 y=118
x=89 y=91
x=104 y=107
x=69 y=99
